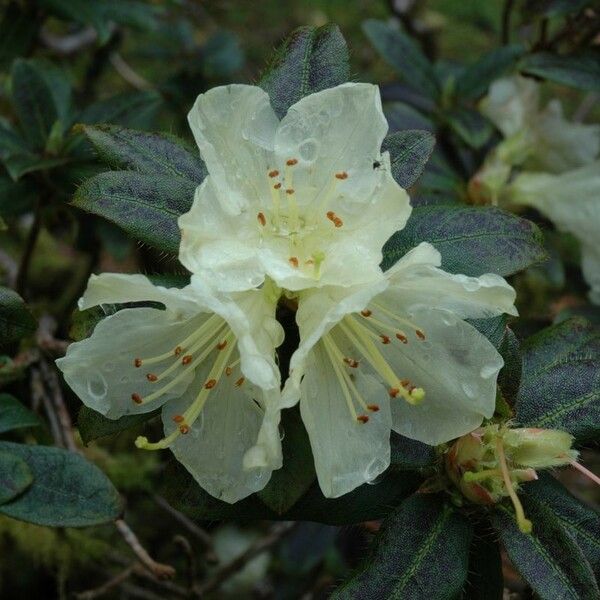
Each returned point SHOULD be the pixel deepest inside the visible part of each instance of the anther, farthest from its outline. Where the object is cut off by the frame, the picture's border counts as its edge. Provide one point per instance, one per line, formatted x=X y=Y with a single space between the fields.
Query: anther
x=261 y=219
x=373 y=407
x=362 y=419
x=405 y=383
x=293 y=261
x=178 y=351
x=184 y=429
x=210 y=384
x=366 y=312
x=291 y=162
x=289 y=191
x=402 y=338
x=273 y=173
x=420 y=334
x=151 y=377
x=393 y=392
x=351 y=362
x=385 y=339
x=136 y=398
x=178 y=418
x=228 y=371
x=338 y=222
x=277 y=186
x=342 y=175
x=221 y=345
x=240 y=381
x=137 y=362
x=187 y=359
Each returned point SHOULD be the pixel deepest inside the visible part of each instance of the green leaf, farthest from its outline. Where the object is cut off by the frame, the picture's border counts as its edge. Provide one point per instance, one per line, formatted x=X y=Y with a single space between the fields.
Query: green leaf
x=149 y=153
x=401 y=116
x=579 y=71
x=131 y=109
x=18 y=31
x=407 y=454
x=310 y=60
x=470 y=126
x=41 y=96
x=475 y=80
x=16 y=198
x=580 y=520
x=509 y=379
x=15 y=319
x=145 y=206
x=13 y=415
x=404 y=55
x=92 y=425
x=553 y=8
x=18 y=165
x=15 y=476
x=485 y=581
x=297 y=474
x=422 y=551
x=560 y=384
x=409 y=152
x=67 y=490
x=494 y=328
x=548 y=558
x=471 y=240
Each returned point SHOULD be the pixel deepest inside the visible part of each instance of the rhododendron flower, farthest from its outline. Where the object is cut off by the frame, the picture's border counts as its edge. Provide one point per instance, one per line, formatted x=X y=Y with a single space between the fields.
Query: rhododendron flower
x=307 y=201
x=572 y=202
x=207 y=359
x=396 y=354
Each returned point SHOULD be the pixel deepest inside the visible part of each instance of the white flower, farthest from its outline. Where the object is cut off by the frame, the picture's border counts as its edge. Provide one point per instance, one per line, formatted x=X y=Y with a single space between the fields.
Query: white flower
x=207 y=359
x=393 y=354
x=540 y=140
x=572 y=202
x=308 y=201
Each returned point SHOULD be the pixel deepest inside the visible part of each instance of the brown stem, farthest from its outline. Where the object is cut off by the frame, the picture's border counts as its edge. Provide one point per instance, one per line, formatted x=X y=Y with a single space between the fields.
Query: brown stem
x=32 y=237
x=106 y=587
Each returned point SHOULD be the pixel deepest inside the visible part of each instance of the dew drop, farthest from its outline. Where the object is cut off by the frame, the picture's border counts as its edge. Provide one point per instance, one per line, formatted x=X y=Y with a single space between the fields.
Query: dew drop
x=97 y=386
x=469 y=390
x=488 y=371
x=308 y=149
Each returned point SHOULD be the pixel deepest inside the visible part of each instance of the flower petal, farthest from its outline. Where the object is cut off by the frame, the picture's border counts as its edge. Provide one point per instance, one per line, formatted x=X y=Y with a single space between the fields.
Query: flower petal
x=416 y=281
x=347 y=453
x=101 y=369
x=228 y=428
x=234 y=127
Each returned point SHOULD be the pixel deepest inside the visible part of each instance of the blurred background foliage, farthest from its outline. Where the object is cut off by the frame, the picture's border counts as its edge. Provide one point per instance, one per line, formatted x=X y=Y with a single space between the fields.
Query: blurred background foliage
x=141 y=64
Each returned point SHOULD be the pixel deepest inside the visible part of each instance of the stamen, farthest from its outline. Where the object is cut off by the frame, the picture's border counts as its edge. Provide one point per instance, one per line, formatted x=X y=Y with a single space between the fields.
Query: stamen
x=136 y=398
x=187 y=359
x=221 y=345
x=137 y=362
x=385 y=339
x=151 y=377
x=178 y=419
x=583 y=470
x=334 y=218
x=178 y=351
x=362 y=419
x=373 y=407
x=273 y=173
x=291 y=162
x=394 y=392
x=420 y=334
x=210 y=384
x=351 y=362
x=342 y=175
x=524 y=524
x=277 y=186
x=293 y=261
x=184 y=429
x=289 y=191
x=366 y=312
x=240 y=382
x=228 y=371
x=400 y=335
x=261 y=219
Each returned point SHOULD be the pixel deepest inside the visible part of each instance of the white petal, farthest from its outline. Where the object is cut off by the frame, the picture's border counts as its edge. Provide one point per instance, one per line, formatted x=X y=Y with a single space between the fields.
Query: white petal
x=416 y=281
x=319 y=310
x=234 y=127
x=101 y=370
x=118 y=288
x=221 y=248
x=336 y=130
x=455 y=365
x=213 y=451
x=347 y=453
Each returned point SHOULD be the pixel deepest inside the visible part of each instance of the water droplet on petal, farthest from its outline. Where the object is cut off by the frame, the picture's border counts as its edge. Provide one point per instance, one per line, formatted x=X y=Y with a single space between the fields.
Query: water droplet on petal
x=97 y=386
x=488 y=371
x=469 y=390
x=308 y=149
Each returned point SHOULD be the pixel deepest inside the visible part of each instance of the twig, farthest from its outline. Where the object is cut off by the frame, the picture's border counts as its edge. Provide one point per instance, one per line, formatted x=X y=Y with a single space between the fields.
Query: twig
x=196 y=531
x=506 y=11
x=137 y=592
x=39 y=396
x=32 y=237
x=45 y=337
x=157 y=569
x=106 y=587
x=260 y=546
x=73 y=43
x=184 y=544
x=128 y=74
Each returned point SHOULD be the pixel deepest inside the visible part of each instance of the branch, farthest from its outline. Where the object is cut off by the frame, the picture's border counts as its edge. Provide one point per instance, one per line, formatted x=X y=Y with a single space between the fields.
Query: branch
x=72 y=43
x=32 y=237
x=106 y=587
x=128 y=74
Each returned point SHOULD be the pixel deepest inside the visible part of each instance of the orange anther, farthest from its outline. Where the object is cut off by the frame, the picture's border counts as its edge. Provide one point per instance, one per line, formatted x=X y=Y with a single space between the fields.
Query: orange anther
x=289 y=191
x=342 y=175
x=402 y=338
x=338 y=222
x=261 y=219
x=210 y=384
x=240 y=381
x=373 y=407
x=187 y=359
x=393 y=392
x=178 y=351
x=273 y=173
x=405 y=383
x=351 y=362
x=178 y=418
x=366 y=312
x=137 y=362
x=293 y=261
x=362 y=419
x=385 y=339
x=183 y=429
x=277 y=186
x=330 y=215
x=291 y=162
x=221 y=345
x=420 y=334
x=151 y=377
x=228 y=371
x=136 y=398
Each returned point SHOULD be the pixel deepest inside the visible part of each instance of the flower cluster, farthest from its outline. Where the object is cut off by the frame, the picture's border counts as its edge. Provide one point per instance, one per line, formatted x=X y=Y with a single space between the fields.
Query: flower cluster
x=293 y=210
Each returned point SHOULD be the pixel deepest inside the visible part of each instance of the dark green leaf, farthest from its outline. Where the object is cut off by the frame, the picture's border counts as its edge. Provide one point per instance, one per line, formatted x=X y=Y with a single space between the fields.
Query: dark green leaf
x=131 y=109
x=92 y=425
x=15 y=319
x=145 y=206
x=407 y=454
x=310 y=60
x=18 y=31
x=11 y=142
x=401 y=116
x=409 y=152
x=473 y=128
x=404 y=55
x=560 y=384
x=16 y=198
x=485 y=581
x=474 y=81
x=18 y=165
x=493 y=328
x=290 y=482
x=13 y=415
x=15 y=476
x=471 y=240
x=509 y=379
x=422 y=551
x=553 y=8
x=222 y=55
x=548 y=558
x=581 y=71
x=67 y=490
x=150 y=153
